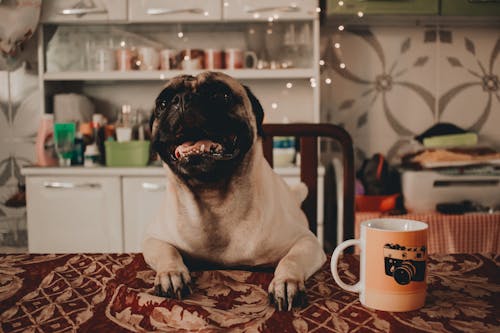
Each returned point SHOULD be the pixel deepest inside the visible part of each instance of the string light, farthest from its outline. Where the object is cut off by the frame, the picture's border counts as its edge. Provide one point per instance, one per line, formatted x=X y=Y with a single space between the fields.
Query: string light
x=360 y=14
x=337 y=45
x=341 y=27
x=274 y=105
x=342 y=65
x=205 y=13
x=328 y=80
x=341 y=3
x=270 y=19
x=289 y=85
x=180 y=34
x=318 y=10
x=321 y=62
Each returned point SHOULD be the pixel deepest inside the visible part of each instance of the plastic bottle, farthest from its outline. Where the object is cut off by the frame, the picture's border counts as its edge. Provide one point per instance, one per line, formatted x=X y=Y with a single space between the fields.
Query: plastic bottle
x=45 y=153
x=79 y=149
x=97 y=121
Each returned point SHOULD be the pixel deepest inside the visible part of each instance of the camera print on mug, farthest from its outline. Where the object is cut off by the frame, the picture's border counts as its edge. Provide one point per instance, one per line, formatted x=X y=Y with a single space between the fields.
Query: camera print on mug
x=405 y=263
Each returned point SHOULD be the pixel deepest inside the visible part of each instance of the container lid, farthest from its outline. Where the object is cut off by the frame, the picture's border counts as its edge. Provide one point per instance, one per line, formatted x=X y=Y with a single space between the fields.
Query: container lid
x=91 y=150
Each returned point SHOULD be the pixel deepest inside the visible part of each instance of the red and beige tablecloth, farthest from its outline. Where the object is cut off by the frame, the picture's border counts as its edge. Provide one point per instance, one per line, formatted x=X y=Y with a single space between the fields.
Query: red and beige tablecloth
x=466 y=233
x=112 y=293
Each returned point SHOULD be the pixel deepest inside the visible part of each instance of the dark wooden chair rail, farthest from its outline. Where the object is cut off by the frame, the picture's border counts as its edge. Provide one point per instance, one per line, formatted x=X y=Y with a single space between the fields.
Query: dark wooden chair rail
x=308 y=135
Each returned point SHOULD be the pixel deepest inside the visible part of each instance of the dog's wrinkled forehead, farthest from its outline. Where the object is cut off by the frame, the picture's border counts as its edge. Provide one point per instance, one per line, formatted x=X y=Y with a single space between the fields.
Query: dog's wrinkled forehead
x=205 y=83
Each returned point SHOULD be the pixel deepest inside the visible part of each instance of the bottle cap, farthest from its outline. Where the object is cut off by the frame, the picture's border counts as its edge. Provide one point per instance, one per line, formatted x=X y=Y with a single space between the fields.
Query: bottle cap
x=91 y=150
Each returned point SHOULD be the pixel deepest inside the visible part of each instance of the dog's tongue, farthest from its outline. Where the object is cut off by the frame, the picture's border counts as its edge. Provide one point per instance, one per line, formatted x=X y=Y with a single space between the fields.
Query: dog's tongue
x=197 y=147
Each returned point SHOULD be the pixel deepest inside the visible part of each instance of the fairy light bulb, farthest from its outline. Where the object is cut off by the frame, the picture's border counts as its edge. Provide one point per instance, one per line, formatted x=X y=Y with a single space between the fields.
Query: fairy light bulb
x=337 y=45
x=341 y=27
x=321 y=62
x=342 y=65
x=289 y=85
x=328 y=80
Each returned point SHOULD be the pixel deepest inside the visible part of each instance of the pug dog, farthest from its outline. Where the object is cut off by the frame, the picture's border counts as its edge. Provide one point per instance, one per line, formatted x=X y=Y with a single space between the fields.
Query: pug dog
x=225 y=206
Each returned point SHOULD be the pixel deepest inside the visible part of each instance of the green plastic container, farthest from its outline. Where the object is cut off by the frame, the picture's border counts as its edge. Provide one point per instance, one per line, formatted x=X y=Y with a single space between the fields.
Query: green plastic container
x=127 y=154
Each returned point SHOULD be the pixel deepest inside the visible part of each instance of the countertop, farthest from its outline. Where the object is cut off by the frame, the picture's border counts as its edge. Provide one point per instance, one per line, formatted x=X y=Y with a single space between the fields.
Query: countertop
x=130 y=171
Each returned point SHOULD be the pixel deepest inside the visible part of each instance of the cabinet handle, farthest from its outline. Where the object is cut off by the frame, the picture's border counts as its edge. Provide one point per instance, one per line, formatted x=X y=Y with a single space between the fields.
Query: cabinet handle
x=168 y=11
x=285 y=9
x=68 y=185
x=152 y=187
x=83 y=11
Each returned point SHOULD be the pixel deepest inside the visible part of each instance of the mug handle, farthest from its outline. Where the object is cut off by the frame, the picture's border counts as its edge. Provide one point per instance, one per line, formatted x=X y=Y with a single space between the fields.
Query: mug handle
x=335 y=258
x=250 y=59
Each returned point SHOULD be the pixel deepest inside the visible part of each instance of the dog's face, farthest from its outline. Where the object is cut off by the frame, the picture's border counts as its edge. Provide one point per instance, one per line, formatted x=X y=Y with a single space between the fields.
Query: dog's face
x=204 y=126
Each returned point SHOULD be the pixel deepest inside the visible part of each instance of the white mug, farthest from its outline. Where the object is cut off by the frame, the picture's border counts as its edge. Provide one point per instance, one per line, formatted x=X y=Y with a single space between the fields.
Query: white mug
x=213 y=59
x=392 y=264
x=149 y=58
x=233 y=58
x=166 y=59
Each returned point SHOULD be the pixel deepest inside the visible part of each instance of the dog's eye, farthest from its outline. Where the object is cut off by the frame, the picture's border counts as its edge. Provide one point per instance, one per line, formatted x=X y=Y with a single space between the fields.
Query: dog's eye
x=221 y=98
x=161 y=107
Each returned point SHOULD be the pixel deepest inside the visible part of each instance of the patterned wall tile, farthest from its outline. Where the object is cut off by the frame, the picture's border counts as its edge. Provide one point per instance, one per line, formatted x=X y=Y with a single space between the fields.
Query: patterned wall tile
x=387 y=84
x=19 y=118
x=469 y=87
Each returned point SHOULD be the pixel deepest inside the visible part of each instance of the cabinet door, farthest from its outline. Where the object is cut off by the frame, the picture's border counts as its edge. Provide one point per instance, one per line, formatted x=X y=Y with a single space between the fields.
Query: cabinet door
x=74 y=214
x=264 y=10
x=83 y=11
x=142 y=197
x=470 y=7
x=174 y=11
x=410 y=7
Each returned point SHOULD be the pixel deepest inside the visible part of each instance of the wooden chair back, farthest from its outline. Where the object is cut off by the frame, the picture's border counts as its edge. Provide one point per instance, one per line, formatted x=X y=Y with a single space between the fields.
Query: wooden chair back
x=308 y=135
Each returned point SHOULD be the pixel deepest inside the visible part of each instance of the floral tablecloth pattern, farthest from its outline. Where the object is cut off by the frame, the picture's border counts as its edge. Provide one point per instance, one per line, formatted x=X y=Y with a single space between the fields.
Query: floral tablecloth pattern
x=113 y=293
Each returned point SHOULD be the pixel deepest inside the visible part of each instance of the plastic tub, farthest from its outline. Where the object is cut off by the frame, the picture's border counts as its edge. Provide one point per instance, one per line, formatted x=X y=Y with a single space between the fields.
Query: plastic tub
x=127 y=154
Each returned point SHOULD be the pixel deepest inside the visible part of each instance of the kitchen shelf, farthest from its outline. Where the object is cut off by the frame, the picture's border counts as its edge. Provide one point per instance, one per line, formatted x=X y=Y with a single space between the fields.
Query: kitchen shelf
x=294 y=73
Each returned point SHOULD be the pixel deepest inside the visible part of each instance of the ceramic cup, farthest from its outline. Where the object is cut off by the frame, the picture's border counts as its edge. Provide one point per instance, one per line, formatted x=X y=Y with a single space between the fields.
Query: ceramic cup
x=233 y=58
x=149 y=58
x=192 y=59
x=392 y=264
x=213 y=59
x=167 y=57
x=251 y=59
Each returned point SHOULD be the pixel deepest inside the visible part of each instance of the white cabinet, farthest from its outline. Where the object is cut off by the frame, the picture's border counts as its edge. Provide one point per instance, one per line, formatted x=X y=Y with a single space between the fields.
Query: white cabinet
x=174 y=11
x=74 y=214
x=74 y=11
x=104 y=209
x=142 y=197
x=265 y=10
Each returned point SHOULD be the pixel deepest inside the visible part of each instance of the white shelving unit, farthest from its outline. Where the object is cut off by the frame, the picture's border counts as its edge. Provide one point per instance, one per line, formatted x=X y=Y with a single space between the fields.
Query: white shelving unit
x=291 y=93
x=252 y=74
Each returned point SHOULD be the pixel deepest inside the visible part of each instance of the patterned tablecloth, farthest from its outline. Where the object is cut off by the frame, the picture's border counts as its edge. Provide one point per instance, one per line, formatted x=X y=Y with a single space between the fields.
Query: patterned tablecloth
x=110 y=293
x=465 y=233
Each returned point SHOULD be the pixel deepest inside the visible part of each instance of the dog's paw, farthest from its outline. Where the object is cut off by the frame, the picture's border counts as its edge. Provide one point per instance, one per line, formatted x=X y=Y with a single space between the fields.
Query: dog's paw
x=285 y=294
x=173 y=284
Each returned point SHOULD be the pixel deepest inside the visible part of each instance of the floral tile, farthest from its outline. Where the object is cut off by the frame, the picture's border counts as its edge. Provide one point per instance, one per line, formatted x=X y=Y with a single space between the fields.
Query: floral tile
x=469 y=87
x=382 y=84
x=386 y=85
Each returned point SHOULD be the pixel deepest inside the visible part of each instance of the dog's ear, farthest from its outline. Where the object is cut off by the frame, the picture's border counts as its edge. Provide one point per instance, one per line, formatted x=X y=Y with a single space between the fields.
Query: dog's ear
x=257 y=110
